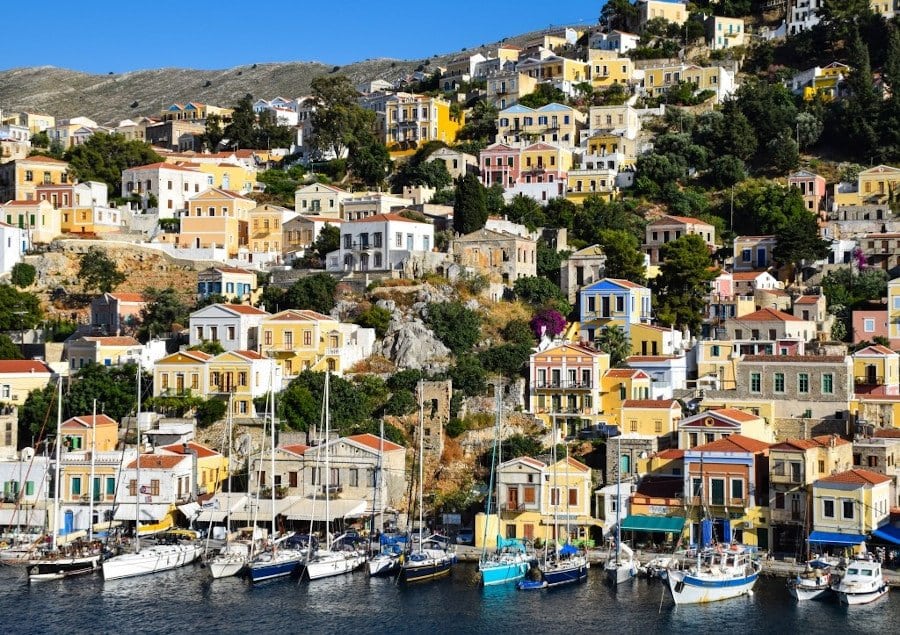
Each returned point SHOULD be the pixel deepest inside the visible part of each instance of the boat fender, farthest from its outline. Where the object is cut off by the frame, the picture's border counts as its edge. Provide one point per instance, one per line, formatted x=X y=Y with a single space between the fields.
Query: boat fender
x=4 y=545
x=679 y=587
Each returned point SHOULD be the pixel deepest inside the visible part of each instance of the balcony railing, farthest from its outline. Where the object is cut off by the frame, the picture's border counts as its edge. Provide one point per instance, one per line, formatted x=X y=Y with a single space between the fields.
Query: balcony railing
x=876 y=380
x=563 y=383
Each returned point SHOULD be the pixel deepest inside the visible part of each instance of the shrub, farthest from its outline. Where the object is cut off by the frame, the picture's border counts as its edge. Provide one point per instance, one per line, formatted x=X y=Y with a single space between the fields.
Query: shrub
x=210 y=411
x=22 y=274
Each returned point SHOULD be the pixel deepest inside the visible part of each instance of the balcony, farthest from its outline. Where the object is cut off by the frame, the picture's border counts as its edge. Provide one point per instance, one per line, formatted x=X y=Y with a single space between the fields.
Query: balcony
x=785 y=515
x=333 y=352
x=727 y=502
x=563 y=384
x=869 y=380
x=786 y=479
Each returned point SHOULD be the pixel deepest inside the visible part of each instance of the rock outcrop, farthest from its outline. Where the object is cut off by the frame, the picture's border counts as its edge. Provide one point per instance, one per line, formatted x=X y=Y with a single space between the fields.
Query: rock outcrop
x=408 y=343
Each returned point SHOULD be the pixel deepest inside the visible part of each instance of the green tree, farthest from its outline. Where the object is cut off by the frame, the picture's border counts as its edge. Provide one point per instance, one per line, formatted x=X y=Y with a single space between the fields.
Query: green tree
x=543 y=94
x=163 y=311
x=470 y=211
x=375 y=317
x=97 y=270
x=783 y=153
x=624 y=258
x=525 y=210
x=241 y=130
x=104 y=156
x=19 y=310
x=37 y=414
x=114 y=388
x=727 y=170
x=619 y=15
x=8 y=349
x=213 y=132
x=518 y=331
x=40 y=140
x=549 y=261
x=683 y=281
x=481 y=124
x=509 y=360
x=281 y=185
x=338 y=118
x=212 y=347
x=22 y=275
x=328 y=240
x=468 y=375
x=541 y=292
x=400 y=403
x=763 y=207
x=368 y=160
x=458 y=327
x=799 y=241
x=300 y=404
x=614 y=341
x=809 y=128
x=209 y=411
x=315 y=292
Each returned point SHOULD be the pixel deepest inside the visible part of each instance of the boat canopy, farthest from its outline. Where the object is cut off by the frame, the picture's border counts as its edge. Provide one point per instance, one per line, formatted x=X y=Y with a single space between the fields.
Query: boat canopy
x=661 y=524
x=888 y=533
x=388 y=540
x=831 y=538
x=568 y=550
x=510 y=544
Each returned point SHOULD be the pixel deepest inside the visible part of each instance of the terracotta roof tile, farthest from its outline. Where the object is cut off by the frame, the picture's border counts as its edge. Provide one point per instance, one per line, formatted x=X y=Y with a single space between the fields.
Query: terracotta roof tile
x=887 y=433
x=735 y=415
x=246 y=309
x=856 y=476
x=746 y=276
x=112 y=340
x=807 y=299
x=202 y=450
x=161 y=461
x=649 y=403
x=768 y=315
x=733 y=443
x=89 y=421
x=375 y=442
x=875 y=349
x=624 y=373
x=295 y=448
x=24 y=366
x=671 y=453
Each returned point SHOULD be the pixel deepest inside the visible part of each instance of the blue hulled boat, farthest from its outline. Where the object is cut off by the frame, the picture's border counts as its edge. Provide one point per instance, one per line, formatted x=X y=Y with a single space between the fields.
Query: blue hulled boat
x=567 y=567
x=508 y=564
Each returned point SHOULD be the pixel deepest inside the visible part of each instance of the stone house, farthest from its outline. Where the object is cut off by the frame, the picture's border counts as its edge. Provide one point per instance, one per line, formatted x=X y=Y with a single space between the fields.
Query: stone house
x=503 y=257
x=583 y=267
x=880 y=454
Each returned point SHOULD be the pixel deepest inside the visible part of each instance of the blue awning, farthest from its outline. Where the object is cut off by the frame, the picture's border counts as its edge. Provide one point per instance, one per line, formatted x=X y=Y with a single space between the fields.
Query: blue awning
x=888 y=533
x=830 y=538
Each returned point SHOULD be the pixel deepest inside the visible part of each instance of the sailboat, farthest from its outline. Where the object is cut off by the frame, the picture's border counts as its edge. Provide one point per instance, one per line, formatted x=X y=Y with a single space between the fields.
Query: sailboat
x=390 y=547
x=235 y=554
x=509 y=562
x=431 y=559
x=75 y=559
x=620 y=566
x=334 y=560
x=276 y=562
x=160 y=557
x=565 y=564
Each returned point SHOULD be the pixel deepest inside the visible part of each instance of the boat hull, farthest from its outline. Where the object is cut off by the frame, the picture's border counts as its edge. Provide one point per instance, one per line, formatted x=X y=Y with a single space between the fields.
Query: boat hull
x=854 y=599
x=688 y=589
x=617 y=573
x=381 y=566
x=331 y=565
x=226 y=568
x=57 y=569
x=277 y=568
x=150 y=560
x=493 y=573
x=803 y=592
x=559 y=576
x=422 y=572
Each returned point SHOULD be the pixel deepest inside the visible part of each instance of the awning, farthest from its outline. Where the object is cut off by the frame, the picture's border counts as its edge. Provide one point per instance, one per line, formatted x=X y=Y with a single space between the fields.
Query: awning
x=64 y=539
x=662 y=524
x=106 y=525
x=190 y=510
x=23 y=517
x=310 y=509
x=830 y=538
x=888 y=533
x=148 y=512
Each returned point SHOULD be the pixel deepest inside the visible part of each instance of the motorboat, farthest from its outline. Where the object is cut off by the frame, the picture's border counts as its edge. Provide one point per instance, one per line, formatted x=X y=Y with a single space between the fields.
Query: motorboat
x=719 y=573
x=863 y=583
x=815 y=581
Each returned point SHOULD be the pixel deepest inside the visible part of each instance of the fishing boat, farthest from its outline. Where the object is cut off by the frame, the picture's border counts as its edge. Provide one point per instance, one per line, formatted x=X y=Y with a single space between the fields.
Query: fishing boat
x=275 y=562
x=387 y=561
x=719 y=573
x=62 y=561
x=863 y=583
x=620 y=566
x=432 y=558
x=177 y=550
x=814 y=582
x=509 y=562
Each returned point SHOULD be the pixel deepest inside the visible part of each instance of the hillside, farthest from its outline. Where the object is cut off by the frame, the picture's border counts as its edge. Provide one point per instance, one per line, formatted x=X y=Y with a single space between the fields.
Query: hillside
x=108 y=98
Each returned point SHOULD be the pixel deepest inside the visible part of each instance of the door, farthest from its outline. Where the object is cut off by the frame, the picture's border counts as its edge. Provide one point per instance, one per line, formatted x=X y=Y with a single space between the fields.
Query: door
x=604 y=303
x=512 y=498
x=795 y=507
x=760 y=258
x=871 y=374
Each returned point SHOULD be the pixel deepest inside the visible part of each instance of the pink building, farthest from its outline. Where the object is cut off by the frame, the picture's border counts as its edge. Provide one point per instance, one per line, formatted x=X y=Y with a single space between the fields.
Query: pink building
x=869 y=324
x=811 y=186
x=499 y=164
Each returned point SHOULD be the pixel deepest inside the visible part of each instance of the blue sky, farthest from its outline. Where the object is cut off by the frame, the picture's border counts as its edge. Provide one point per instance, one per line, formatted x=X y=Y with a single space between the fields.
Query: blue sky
x=198 y=35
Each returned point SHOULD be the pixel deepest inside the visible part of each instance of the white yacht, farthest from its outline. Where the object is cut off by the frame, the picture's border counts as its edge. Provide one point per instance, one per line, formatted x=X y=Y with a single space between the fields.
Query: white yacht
x=151 y=560
x=719 y=573
x=863 y=583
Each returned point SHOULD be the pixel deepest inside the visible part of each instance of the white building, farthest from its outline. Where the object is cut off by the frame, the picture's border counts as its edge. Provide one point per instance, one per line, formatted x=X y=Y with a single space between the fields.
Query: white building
x=172 y=186
x=457 y=163
x=381 y=242
x=234 y=326
x=803 y=15
x=617 y=41
x=13 y=244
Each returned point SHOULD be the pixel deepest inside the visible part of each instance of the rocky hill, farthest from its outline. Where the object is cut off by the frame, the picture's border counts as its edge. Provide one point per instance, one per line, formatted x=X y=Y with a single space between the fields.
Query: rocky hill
x=109 y=98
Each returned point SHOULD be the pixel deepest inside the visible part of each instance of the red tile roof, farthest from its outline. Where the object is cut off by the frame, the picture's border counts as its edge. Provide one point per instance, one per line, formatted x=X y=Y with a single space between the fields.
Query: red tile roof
x=671 y=453
x=733 y=443
x=649 y=403
x=375 y=442
x=89 y=421
x=249 y=354
x=23 y=366
x=807 y=299
x=856 y=476
x=636 y=359
x=113 y=340
x=163 y=461
x=624 y=372
x=735 y=415
x=40 y=158
x=246 y=309
x=887 y=433
x=202 y=450
x=295 y=448
x=875 y=349
x=768 y=315
x=687 y=220
x=225 y=269
x=746 y=276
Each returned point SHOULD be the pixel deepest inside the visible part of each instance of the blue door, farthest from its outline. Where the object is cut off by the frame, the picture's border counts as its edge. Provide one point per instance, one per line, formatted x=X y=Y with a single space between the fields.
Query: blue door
x=760 y=258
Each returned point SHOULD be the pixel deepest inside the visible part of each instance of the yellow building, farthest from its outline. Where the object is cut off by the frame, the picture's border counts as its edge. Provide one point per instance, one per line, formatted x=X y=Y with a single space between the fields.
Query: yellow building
x=565 y=385
x=302 y=340
x=542 y=162
x=20 y=178
x=33 y=121
x=875 y=186
x=181 y=373
x=265 y=229
x=409 y=121
x=106 y=351
x=90 y=433
x=554 y=68
x=534 y=495
x=552 y=123
x=619 y=385
x=725 y=33
x=42 y=222
x=18 y=377
x=714 y=424
x=854 y=503
x=240 y=376
x=212 y=467
x=716 y=364
x=216 y=218
x=607 y=69
x=582 y=183
x=607 y=144
x=223 y=174
x=650 y=418
x=194 y=111
x=876 y=370
x=668 y=10
x=659 y=79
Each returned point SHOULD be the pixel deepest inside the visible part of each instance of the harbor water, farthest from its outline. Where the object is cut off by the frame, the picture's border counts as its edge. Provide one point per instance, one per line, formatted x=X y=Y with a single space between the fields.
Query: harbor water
x=188 y=601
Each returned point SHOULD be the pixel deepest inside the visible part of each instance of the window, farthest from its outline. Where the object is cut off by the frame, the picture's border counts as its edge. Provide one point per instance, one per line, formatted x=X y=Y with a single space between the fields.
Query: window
x=76 y=485
x=821 y=467
x=307 y=338
x=231 y=332
x=528 y=494
x=132 y=487
x=657 y=426
x=398 y=239
x=554 y=496
x=779 y=500
x=755 y=382
x=828 y=508
x=803 y=383
x=717 y=491
x=354 y=477
x=573 y=496
x=692 y=439
x=737 y=489
x=869 y=325
x=779 y=382
x=827 y=384
x=29 y=175
x=267 y=338
x=154 y=487
x=746 y=255
x=696 y=487
x=847 y=509
x=110 y=487
x=292 y=479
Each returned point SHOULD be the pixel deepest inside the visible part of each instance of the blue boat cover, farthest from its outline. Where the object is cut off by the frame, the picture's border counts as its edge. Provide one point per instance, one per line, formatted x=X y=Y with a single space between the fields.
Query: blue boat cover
x=888 y=533
x=706 y=533
x=726 y=531
x=510 y=543
x=830 y=538
x=568 y=550
x=392 y=540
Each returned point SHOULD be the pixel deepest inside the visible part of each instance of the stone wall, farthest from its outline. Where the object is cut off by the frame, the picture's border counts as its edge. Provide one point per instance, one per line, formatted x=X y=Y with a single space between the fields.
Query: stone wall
x=800 y=428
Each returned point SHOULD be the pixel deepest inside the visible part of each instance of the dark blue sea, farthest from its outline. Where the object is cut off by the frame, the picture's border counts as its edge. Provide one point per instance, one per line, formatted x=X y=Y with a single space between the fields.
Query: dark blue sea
x=188 y=601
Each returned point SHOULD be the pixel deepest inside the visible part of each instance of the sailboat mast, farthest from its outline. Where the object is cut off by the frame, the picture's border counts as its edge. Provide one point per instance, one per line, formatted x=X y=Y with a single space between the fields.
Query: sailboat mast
x=499 y=447
x=618 y=493
x=93 y=463
x=327 y=461
x=272 y=461
x=56 y=485
x=230 y=448
x=137 y=486
x=421 y=455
